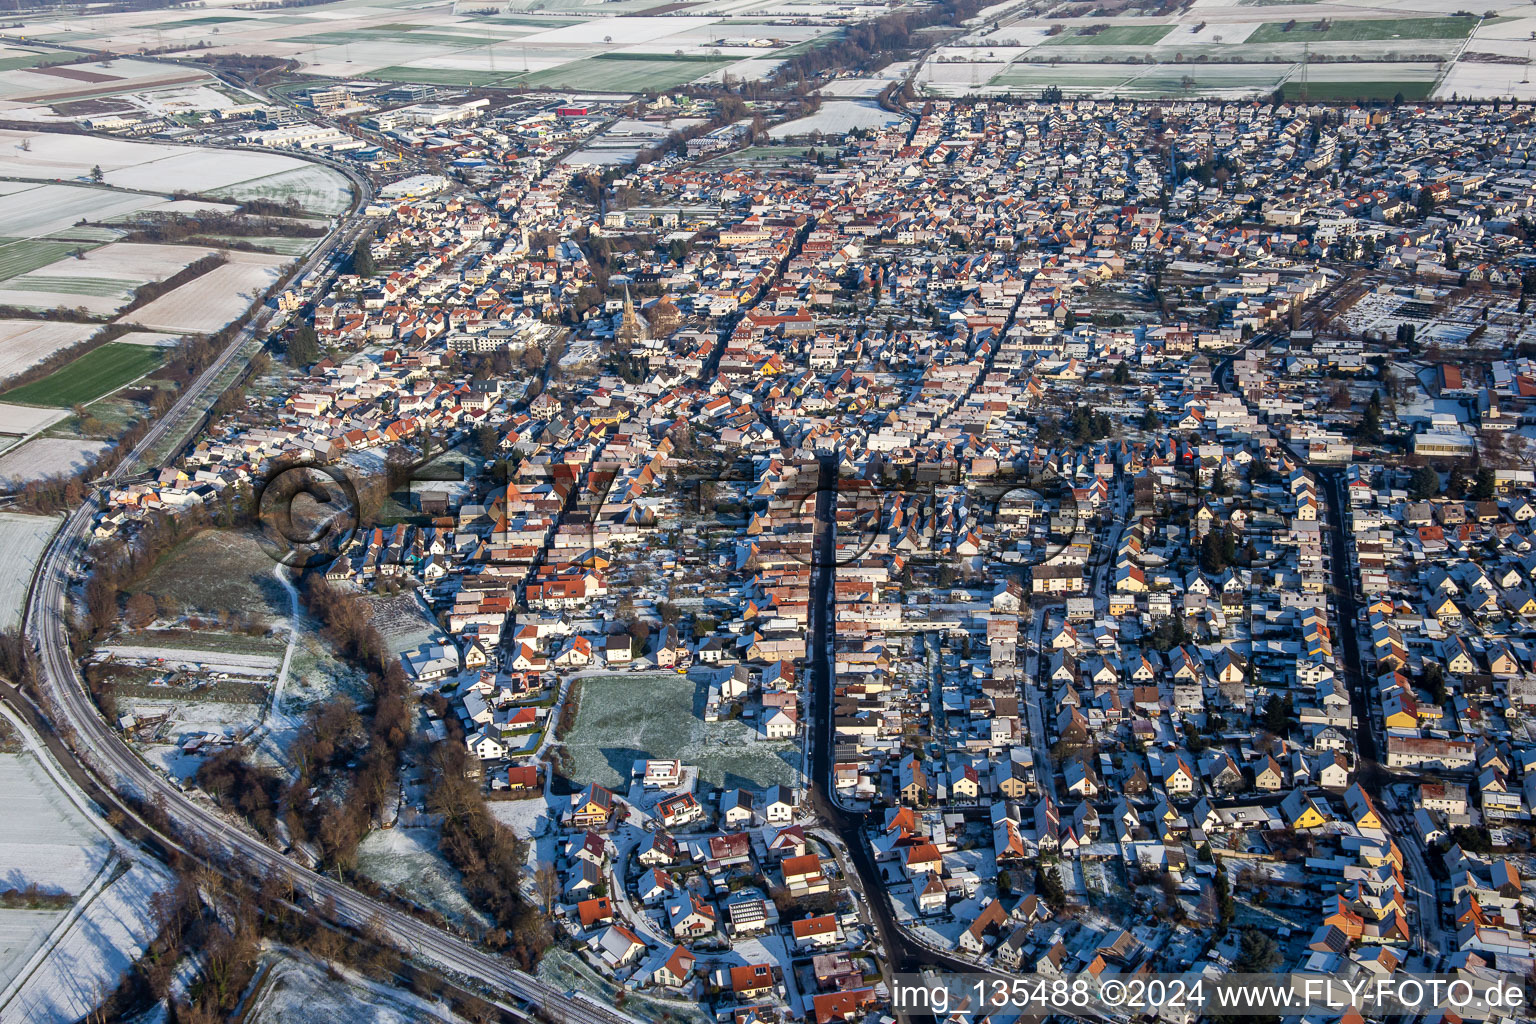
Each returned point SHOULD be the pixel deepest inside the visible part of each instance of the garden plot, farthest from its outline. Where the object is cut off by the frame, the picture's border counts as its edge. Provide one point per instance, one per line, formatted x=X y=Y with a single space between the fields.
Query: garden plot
x=403 y=622
x=23 y=538
x=624 y=717
x=43 y=457
x=25 y=343
x=837 y=117
x=169 y=659
x=206 y=304
x=408 y=862
x=101 y=280
x=302 y=990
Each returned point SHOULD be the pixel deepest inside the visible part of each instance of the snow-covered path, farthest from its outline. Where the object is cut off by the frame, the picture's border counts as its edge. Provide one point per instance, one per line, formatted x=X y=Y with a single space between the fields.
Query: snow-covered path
x=276 y=718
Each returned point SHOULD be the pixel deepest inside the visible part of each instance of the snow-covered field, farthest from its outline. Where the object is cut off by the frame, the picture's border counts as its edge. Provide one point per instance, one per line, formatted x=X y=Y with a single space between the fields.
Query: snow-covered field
x=23 y=539
x=154 y=166
x=33 y=210
x=48 y=456
x=214 y=299
x=46 y=840
x=624 y=717
x=302 y=990
x=25 y=343
x=27 y=419
x=84 y=965
x=318 y=189
x=103 y=279
x=407 y=861
x=837 y=117
x=153 y=339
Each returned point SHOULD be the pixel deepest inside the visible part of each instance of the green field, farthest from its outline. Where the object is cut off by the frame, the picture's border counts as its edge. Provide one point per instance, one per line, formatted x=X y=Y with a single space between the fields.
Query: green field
x=25 y=255
x=25 y=60
x=1419 y=90
x=1113 y=35
x=212 y=19
x=1361 y=30
x=629 y=72
x=94 y=374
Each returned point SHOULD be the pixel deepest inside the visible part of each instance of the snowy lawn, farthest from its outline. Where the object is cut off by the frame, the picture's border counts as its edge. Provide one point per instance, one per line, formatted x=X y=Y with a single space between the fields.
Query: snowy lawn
x=623 y=718
x=407 y=861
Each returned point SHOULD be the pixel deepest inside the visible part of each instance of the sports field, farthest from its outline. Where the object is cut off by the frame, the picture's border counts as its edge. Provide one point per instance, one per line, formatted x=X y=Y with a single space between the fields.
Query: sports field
x=94 y=374
x=1112 y=35
x=624 y=72
x=1362 y=29
x=440 y=76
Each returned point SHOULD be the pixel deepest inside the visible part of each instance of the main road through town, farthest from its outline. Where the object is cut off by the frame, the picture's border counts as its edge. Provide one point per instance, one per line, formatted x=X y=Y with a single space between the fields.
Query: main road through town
x=903 y=954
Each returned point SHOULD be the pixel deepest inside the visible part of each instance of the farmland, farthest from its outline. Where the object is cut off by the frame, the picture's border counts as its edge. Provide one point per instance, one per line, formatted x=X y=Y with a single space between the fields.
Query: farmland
x=1331 y=90
x=98 y=372
x=624 y=717
x=27 y=419
x=43 y=457
x=1238 y=49
x=623 y=72
x=1363 y=30
x=23 y=539
x=24 y=255
x=1113 y=35
x=48 y=842
x=214 y=299
x=157 y=168
x=102 y=280
x=25 y=343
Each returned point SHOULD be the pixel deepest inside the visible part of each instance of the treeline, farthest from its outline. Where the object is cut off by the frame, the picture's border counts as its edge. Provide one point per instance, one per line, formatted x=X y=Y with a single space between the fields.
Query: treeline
x=488 y=856
x=163 y=228
x=144 y=294
x=347 y=767
x=872 y=44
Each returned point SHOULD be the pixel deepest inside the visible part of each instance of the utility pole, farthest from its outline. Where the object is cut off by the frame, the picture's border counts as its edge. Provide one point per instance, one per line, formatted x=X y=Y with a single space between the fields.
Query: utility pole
x=1306 y=59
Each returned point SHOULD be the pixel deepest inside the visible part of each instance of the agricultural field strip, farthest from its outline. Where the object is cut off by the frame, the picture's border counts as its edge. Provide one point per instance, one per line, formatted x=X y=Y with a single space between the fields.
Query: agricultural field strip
x=95 y=374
